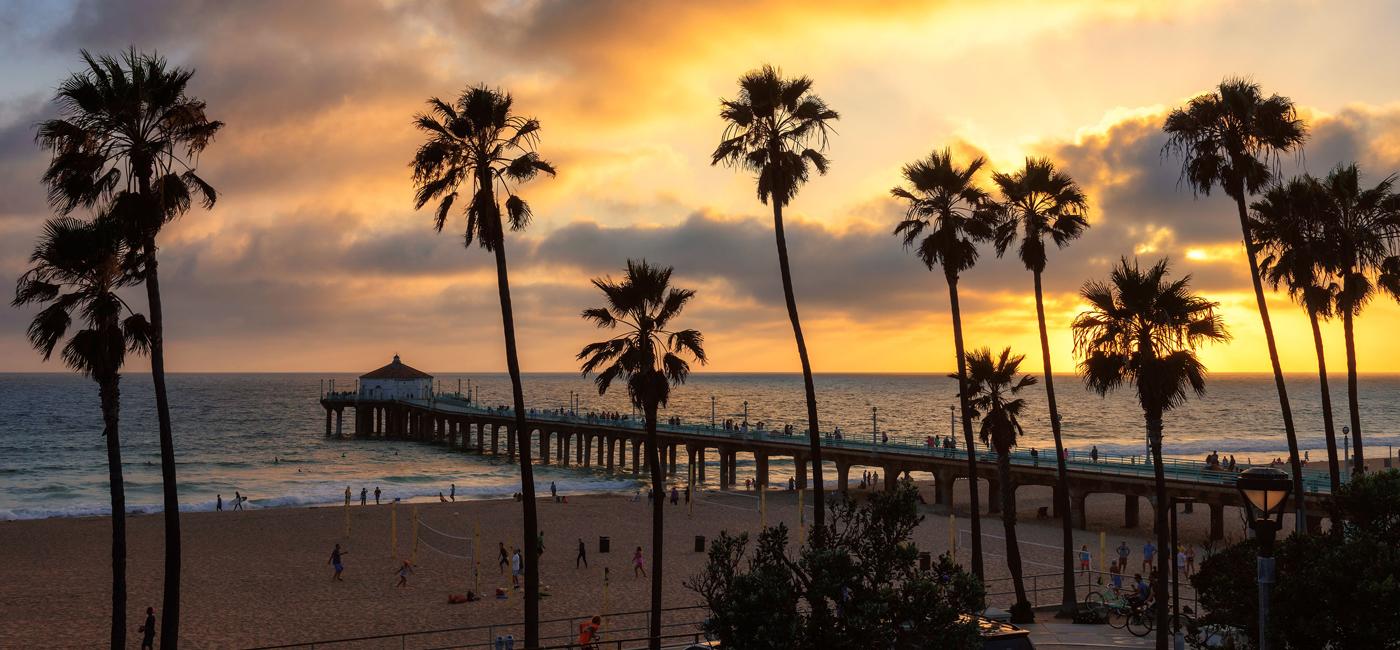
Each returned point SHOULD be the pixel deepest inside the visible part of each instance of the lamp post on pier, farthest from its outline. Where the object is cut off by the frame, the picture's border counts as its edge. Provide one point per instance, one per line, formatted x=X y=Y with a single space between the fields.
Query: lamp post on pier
x=1265 y=491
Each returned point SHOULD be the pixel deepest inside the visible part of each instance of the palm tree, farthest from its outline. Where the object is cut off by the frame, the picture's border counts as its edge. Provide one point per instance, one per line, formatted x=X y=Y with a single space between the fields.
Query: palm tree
x=77 y=268
x=1038 y=202
x=1143 y=329
x=128 y=139
x=1363 y=224
x=992 y=387
x=649 y=356
x=1288 y=224
x=952 y=214
x=777 y=129
x=1232 y=137
x=479 y=141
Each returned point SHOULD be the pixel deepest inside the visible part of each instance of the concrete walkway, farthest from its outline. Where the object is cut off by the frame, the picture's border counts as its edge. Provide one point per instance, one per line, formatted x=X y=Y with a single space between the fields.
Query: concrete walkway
x=1062 y=636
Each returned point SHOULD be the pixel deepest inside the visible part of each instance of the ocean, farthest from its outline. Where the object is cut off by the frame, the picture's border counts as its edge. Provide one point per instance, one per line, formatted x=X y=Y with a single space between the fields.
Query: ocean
x=263 y=434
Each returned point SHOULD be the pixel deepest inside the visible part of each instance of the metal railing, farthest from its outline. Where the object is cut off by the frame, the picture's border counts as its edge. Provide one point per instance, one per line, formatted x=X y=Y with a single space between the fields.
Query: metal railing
x=1044 y=589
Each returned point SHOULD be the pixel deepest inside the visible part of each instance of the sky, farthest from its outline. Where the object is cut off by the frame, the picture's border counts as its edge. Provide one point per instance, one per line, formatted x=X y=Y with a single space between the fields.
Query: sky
x=315 y=260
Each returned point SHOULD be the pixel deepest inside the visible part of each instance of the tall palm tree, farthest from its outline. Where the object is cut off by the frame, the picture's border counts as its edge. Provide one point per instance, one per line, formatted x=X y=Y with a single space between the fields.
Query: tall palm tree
x=1143 y=329
x=777 y=129
x=952 y=214
x=480 y=142
x=1232 y=137
x=128 y=139
x=992 y=387
x=650 y=356
x=77 y=268
x=1363 y=226
x=1038 y=202
x=1288 y=223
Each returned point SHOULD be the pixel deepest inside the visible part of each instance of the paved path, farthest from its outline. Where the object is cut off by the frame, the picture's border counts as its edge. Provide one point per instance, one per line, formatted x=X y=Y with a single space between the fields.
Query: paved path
x=1062 y=636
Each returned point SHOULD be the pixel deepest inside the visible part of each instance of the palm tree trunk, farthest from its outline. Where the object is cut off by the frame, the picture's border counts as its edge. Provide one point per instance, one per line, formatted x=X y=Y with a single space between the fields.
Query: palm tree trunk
x=170 y=601
x=967 y=427
x=522 y=446
x=108 y=389
x=813 y=431
x=1358 y=466
x=1294 y=458
x=1333 y=468
x=1068 y=601
x=1165 y=553
x=1021 y=612
x=658 y=486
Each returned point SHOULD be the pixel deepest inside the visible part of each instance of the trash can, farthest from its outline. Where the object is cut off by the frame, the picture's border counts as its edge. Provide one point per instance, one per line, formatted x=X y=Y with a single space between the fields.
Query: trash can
x=604 y=544
x=925 y=561
x=699 y=543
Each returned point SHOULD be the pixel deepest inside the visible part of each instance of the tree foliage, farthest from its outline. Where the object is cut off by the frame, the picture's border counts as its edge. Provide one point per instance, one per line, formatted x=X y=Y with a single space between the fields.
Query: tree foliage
x=865 y=581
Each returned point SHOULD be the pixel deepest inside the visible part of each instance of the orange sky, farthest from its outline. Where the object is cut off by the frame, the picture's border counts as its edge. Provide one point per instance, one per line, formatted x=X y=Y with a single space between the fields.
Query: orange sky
x=315 y=260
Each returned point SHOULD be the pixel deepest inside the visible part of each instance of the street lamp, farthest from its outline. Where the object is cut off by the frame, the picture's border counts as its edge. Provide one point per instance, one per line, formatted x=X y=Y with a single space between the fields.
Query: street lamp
x=1180 y=642
x=1265 y=491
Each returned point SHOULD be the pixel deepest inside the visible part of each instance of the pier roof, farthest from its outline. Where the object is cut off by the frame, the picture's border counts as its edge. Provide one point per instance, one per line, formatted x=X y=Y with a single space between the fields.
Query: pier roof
x=396 y=370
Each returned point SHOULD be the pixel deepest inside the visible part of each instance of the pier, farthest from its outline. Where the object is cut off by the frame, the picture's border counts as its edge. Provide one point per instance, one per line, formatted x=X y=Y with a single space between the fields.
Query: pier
x=608 y=445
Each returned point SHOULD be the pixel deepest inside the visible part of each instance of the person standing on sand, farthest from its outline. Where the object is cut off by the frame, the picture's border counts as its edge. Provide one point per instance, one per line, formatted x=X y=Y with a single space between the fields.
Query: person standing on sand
x=148 y=630
x=553 y=492
x=1147 y=551
x=1084 y=558
x=539 y=545
x=364 y=496
x=404 y=571
x=335 y=561
x=638 y=564
x=453 y=494
x=515 y=569
x=582 y=554
x=504 y=557
x=1190 y=560
x=376 y=495
x=675 y=496
x=218 y=503
x=1123 y=553
x=347 y=495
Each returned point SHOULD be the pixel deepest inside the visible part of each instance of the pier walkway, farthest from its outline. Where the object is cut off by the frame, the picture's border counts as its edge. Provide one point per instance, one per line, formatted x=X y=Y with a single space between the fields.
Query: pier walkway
x=607 y=445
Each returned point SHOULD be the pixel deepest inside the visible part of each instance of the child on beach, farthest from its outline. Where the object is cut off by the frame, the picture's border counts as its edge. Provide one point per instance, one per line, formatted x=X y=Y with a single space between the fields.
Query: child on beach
x=638 y=564
x=404 y=571
x=335 y=562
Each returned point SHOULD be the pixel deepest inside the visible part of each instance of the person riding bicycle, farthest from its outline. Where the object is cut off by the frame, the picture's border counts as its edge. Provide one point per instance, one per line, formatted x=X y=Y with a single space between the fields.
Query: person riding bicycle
x=588 y=635
x=1142 y=592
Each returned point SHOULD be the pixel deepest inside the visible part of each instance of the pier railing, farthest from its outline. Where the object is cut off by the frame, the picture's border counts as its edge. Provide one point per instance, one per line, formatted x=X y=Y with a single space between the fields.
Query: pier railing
x=1176 y=469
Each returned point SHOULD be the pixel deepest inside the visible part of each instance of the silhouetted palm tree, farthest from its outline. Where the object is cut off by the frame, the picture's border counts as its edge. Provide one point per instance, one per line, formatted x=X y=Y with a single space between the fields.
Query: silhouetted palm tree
x=992 y=386
x=1143 y=329
x=1232 y=137
x=480 y=144
x=1288 y=223
x=951 y=214
x=650 y=356
x=1362 y=227
x=128 y=139
x=777 y=129
x=77 y=269
x=1038 y=202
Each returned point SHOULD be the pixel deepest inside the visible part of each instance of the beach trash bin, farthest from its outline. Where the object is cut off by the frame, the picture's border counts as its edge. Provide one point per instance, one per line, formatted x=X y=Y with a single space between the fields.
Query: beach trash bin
x=699 y=543
x=925 y=561
x=604 y=544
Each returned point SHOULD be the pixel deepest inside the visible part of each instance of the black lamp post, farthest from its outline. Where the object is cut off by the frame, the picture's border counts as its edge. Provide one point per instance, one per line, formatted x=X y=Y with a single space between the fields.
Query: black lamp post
x=1265 y=491
x=1180 y=640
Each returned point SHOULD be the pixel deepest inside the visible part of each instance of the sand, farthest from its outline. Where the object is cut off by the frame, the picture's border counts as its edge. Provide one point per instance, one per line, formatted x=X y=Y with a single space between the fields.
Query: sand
x=260 y=577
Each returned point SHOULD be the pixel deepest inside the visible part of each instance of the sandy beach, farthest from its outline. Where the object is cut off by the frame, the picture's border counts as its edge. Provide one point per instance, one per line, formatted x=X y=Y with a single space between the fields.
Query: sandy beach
x=260 y=577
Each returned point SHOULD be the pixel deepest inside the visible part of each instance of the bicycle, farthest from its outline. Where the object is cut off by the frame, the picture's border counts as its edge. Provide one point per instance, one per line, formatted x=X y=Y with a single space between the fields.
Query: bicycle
x=1110 y=601
x=1142 y=619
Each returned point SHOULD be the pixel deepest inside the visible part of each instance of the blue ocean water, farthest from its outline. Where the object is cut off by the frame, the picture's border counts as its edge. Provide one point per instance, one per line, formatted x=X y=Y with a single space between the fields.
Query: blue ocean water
x=263 y=434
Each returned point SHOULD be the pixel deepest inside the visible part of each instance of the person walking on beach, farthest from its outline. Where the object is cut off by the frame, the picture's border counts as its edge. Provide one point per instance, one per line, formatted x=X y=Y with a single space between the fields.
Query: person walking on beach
x=335 y=561
x=218 y=503
x=539 y=545
x=675 y=496
x=553 y=492
x=237 y=500
x=347 y=495
x=453 y=493
x=515 y=569
x=1084 y=558
x=404 y=571
x=1094 y=454
x=364 y=496
x=376 y=495
x=148 y=630
x=638 y=564
x=1148 y=550
x=504 y=557
x=582 y=554
x=1123 y=553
